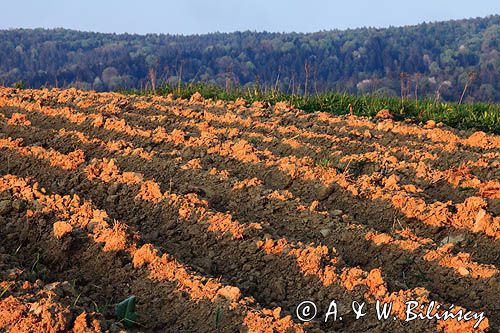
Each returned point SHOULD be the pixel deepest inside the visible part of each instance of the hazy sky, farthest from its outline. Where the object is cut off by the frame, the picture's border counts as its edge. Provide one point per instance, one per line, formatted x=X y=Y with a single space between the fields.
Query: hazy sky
x=202 y=16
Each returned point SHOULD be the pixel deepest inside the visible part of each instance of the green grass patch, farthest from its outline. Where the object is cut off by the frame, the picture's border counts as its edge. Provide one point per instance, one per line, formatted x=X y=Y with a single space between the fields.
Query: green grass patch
x=477 y=116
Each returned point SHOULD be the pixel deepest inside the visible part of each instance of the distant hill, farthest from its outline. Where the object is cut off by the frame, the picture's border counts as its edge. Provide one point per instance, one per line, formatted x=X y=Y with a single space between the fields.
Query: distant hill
x=442 y=57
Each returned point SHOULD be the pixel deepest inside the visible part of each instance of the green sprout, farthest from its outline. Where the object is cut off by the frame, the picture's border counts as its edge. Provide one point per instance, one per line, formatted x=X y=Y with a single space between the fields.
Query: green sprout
x=125 y=311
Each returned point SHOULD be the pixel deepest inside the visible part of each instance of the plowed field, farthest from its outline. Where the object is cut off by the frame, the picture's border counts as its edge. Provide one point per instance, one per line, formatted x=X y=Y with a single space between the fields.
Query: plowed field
x=224 y=217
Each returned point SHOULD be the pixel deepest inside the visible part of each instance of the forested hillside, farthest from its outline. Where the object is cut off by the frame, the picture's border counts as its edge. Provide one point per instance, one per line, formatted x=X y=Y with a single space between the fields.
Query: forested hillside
x=436 y=60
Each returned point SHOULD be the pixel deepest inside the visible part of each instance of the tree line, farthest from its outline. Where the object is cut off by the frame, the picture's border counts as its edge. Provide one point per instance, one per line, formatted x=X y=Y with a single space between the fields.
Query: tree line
x=445 y=61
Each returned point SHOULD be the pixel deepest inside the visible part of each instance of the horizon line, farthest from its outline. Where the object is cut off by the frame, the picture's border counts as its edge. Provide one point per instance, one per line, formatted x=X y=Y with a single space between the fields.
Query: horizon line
x=254 y=31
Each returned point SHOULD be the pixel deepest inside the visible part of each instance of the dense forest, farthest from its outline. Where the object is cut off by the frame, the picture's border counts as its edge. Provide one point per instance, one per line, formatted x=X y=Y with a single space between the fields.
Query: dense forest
x=434 y=60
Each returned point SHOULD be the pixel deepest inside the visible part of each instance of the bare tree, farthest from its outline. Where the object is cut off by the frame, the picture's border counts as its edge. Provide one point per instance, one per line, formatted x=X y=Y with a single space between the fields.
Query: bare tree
x=277 y=83
x=403 y=76
x=417 y=79
x=438 y=91
x=470 y=77
x=179 y=79
x=152 y=78
x=307 y=68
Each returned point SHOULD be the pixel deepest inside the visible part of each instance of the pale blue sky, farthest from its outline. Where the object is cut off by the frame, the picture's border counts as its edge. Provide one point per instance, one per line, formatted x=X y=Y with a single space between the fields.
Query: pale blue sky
x=203 y=16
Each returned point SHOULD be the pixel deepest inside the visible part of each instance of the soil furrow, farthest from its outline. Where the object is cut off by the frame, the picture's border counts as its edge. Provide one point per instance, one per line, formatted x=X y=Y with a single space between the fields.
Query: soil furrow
x=234 y=208
x=232 y=250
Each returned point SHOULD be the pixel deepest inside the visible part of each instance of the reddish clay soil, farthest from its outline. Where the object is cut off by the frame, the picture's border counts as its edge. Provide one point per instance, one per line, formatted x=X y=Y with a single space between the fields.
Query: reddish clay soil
x=223 y=216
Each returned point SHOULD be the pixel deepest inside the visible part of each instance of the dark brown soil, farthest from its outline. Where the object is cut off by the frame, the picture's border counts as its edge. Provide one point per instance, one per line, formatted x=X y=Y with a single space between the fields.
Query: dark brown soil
x=222 y=217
